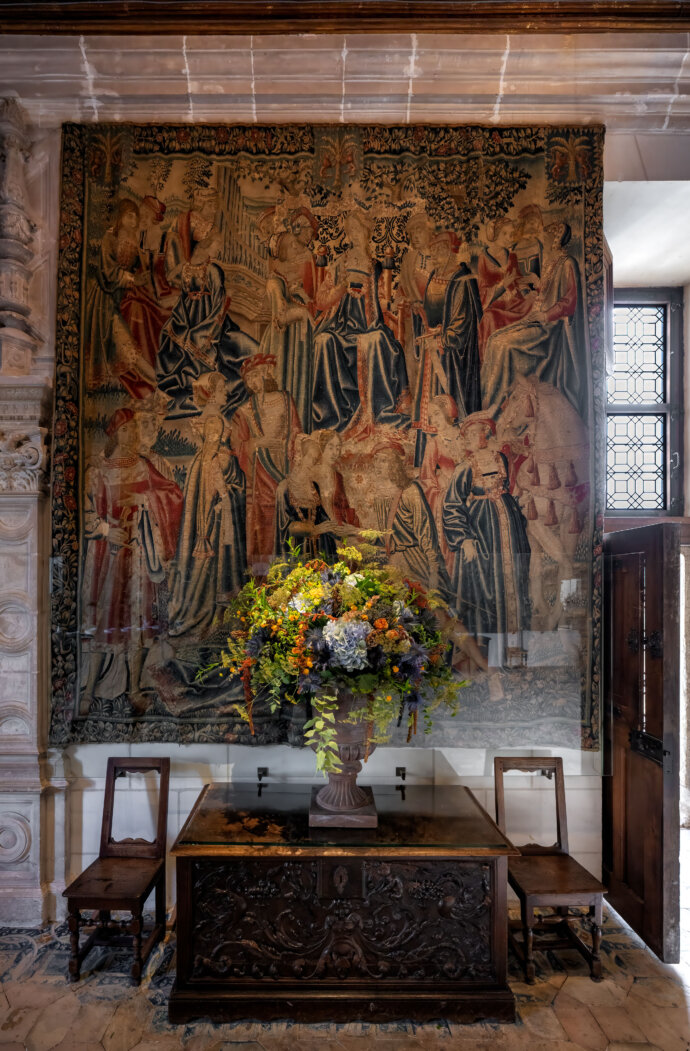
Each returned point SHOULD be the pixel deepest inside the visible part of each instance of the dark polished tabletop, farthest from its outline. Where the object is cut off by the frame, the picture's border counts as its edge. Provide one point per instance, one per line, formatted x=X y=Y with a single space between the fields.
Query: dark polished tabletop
x=422 y=820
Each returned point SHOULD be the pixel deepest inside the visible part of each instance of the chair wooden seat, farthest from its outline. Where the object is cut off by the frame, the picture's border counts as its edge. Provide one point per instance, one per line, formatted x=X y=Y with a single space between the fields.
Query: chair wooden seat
x=121 y=878
x=115 y=882
x=561 y=874
x=548 y=878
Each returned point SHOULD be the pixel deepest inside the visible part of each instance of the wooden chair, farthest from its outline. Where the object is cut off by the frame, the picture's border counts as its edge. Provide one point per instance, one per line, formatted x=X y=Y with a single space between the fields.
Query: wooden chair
x=547 y=877
x=121 y=878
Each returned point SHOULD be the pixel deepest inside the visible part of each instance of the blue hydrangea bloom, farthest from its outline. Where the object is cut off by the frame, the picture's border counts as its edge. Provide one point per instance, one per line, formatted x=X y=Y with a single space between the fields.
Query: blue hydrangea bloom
x=347 y=643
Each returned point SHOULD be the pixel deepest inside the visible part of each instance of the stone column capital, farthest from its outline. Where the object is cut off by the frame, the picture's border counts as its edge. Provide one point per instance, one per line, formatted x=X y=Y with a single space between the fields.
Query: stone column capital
x=17 y=230
x=24 y=412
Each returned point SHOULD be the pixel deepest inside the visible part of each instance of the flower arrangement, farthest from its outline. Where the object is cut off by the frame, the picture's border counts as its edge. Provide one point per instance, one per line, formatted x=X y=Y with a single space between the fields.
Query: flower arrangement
x=312 y=629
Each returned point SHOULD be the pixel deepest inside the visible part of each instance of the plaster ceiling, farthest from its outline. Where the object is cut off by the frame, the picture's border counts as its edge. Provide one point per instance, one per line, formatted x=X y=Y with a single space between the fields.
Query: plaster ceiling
x=647 y=226
x=636 y=84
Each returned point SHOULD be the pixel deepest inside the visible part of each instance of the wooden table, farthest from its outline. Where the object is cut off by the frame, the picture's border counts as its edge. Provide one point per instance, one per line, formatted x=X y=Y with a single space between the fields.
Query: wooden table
x=277 y=920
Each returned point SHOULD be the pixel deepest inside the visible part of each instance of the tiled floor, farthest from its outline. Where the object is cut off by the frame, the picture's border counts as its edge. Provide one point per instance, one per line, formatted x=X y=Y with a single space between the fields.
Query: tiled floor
x=640 y=1005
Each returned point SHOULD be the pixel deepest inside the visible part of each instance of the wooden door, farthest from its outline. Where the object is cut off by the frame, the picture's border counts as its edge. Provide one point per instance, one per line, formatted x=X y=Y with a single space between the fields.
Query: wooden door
x=641 y=822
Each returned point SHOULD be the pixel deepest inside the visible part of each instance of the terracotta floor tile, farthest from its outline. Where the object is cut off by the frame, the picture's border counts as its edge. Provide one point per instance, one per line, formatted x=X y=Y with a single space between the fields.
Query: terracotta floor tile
x=579 y=1023
x=634 y=1046
x=127 y=1025
x=618 y=1025
x=640 y=963
x=53 y=1023
x=542 y=1021
x=552 y=1045
x=588 y=992
x=72 y=1043
x=539 y=993
x=164 y=1042
x=18 y=1023
x=562 y=1011
x=666 y=1026
x=34 y=993
x=662 y=992
x=486 y=1036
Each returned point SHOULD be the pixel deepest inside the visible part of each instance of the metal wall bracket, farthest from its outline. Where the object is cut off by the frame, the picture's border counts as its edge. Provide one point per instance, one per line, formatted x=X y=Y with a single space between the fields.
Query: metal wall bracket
x=648 y=746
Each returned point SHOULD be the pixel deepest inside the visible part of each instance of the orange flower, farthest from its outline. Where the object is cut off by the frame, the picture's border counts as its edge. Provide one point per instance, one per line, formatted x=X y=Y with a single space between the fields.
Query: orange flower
x=381 y=624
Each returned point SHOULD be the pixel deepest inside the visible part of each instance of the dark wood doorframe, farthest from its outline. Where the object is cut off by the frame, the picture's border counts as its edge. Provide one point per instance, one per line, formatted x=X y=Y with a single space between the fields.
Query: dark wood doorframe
x=640 y=799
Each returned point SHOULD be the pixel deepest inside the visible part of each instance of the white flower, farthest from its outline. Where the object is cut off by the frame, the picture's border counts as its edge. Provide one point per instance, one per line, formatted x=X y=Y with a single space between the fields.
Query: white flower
x=353 y=578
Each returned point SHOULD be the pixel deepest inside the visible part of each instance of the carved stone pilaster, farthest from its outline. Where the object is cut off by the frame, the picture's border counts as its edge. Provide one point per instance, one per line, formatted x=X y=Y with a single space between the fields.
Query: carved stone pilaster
x=18 y=339
x=31 y=783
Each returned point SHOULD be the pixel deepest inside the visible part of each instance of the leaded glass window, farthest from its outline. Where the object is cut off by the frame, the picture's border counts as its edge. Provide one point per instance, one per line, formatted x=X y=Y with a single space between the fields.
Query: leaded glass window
x=644 y=396
x=635 y=463
x=639 y=358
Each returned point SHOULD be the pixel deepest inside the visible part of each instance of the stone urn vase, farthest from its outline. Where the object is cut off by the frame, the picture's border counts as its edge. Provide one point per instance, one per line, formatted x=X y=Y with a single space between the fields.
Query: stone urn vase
x=342 y=803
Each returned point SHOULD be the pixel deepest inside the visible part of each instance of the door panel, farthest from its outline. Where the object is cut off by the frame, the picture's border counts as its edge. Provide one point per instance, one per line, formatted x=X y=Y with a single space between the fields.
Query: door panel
x=641 y=718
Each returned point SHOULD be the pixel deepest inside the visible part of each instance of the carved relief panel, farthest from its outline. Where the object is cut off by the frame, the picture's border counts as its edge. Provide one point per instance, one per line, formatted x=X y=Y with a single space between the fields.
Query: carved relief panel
x=340 y=921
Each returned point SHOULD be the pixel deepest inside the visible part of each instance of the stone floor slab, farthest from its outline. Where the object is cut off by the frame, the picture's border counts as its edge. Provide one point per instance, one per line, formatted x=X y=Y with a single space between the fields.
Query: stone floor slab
x=634 y=1046
x=618 y=1025
x=666 y=1026
x=34 y=993
x=579 y=1023
x=641 y=1005
x=588 y=992
x=54 y=1023
x=18 y=1023
x=662 y=992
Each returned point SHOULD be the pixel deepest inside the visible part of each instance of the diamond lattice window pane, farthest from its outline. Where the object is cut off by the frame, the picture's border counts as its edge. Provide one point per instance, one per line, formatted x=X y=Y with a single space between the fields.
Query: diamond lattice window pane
x=635 y=457
x=637 y=375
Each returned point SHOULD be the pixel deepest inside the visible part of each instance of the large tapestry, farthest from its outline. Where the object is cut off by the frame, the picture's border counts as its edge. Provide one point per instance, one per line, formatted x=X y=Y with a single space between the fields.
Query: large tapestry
x=281 y=335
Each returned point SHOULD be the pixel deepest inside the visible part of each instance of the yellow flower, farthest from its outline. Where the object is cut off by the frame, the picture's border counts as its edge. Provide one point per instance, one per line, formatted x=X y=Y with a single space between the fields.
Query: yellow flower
x=396 y=669
x=388 y=697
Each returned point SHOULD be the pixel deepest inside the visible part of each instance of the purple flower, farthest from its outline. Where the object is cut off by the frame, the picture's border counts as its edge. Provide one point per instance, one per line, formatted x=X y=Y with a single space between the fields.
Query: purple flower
x=255 y=642
x=414 y=701
x=309 y=683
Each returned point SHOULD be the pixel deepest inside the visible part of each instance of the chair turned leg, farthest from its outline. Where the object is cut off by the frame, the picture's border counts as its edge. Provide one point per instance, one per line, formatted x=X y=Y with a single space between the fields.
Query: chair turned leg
x=528 y=936
x=73 y=924
x=160 y=907
x=595 y=964
x=530 y=970
x=135 y=929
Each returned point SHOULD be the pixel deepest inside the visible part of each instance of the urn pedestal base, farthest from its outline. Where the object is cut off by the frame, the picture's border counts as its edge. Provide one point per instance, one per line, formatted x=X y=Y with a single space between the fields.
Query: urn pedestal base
x=364 y=816
x=341 y=802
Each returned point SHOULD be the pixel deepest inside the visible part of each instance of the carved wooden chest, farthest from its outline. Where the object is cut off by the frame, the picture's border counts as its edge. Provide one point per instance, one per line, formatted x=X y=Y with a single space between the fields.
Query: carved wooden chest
x=276 y=920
